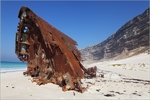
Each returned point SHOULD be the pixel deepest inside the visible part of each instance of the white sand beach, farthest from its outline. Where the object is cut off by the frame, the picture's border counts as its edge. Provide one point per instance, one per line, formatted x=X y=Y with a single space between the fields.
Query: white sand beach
x=123 y=79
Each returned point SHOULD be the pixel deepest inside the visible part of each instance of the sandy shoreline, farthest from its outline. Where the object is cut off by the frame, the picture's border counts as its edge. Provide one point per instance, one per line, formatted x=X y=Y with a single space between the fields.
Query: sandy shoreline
x=118 y=83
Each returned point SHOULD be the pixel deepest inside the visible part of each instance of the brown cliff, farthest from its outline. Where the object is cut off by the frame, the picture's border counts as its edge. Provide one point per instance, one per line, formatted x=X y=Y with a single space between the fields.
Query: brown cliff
x=131 y=39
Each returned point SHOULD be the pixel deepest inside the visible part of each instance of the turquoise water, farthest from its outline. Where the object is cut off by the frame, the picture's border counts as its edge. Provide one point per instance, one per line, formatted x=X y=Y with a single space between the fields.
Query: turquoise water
x=12 y=66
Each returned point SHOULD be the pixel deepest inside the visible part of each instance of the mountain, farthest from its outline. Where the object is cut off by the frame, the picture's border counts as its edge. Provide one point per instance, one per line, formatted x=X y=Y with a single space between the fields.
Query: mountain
x=131 y=39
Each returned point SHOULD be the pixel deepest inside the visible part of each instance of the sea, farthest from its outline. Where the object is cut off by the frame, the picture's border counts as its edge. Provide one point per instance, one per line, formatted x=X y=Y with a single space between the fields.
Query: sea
x=12 y=66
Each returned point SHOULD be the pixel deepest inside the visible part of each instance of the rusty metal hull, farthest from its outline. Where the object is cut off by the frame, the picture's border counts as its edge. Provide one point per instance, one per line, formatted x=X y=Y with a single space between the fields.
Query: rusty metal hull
x=51 y=56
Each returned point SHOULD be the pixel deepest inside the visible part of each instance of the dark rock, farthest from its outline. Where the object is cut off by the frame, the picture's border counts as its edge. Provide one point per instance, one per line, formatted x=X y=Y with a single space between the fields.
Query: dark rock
x=131 y=39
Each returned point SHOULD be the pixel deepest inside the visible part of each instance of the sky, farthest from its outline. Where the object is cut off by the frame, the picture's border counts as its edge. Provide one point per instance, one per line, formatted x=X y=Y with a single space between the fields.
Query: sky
x=87 y=22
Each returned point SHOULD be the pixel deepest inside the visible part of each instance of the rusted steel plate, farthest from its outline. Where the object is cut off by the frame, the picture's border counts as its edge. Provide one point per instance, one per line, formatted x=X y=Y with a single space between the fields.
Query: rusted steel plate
x=52 y=56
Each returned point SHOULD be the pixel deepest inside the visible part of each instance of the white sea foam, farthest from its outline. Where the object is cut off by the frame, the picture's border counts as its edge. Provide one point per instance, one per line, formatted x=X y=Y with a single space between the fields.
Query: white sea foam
x=12 y=67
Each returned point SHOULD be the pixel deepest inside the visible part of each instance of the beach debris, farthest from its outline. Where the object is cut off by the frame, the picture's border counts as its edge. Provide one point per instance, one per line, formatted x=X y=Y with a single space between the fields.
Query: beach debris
x=111 y=91
x=98 y=90
x=136 y=94
x=101 y=75
x=118 y=93
x=51 y=56
x=109 y=95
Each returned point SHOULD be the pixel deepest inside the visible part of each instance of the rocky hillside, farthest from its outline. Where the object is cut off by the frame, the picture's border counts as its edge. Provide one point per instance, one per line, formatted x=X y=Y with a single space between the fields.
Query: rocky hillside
x=131 y=39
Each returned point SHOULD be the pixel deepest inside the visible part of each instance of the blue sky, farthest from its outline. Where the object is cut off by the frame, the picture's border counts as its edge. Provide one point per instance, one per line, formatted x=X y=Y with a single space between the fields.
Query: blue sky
x=87 y=22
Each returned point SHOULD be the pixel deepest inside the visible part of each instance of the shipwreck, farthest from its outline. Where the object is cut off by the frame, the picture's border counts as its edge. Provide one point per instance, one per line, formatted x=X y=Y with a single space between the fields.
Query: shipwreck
x=51 y=56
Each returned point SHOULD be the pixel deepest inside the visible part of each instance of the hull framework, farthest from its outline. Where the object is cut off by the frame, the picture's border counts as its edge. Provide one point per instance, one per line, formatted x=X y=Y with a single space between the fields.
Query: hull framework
x=51 y=56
